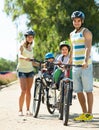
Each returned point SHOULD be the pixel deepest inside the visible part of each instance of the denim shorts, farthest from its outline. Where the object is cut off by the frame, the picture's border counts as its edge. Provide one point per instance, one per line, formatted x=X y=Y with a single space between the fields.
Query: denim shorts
x=25 y=75
x=83 y=79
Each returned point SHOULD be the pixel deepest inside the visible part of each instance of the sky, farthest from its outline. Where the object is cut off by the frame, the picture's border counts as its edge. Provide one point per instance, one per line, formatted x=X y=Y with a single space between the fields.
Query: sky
x=8 y=36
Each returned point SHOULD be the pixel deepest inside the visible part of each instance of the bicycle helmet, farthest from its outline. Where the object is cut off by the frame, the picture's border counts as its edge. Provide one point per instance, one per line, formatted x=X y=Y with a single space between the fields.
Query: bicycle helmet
x=29 y=32
x=64 y=43
x=78 y=14
x=49 y=55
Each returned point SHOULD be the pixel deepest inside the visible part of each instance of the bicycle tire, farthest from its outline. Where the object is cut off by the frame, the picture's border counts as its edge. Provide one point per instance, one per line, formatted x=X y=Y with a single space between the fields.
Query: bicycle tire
x=66 y=104
x=50 y=100
x=36 y=97
x=61 y=101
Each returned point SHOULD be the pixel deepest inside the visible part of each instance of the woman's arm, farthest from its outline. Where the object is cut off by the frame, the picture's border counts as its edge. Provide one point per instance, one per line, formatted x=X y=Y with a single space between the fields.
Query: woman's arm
x=20 y=55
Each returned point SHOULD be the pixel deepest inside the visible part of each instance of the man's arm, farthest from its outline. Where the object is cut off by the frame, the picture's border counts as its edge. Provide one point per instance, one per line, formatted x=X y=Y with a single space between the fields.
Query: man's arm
x=88 y=45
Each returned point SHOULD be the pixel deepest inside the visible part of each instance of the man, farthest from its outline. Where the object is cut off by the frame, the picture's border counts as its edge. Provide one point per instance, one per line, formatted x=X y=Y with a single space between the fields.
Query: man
x=81 y=39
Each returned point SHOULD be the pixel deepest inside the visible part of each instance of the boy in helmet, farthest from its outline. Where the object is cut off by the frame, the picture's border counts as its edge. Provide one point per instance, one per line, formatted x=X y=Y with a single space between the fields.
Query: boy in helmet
x=81 y=39
x=62 y=58
x=49 y=57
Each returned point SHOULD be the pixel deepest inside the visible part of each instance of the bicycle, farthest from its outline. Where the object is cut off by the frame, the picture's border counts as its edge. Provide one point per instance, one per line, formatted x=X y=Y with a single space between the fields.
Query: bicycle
x=43 y=91
x=66 y=89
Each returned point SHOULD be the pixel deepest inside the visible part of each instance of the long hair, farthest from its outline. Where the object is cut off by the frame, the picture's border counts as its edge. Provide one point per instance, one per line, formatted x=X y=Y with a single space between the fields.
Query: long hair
x=26 y=43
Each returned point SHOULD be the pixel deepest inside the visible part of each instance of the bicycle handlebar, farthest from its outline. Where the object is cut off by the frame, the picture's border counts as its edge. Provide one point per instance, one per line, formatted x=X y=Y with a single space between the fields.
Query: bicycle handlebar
x=67 y=65
x=35 y=60
x=56 y=63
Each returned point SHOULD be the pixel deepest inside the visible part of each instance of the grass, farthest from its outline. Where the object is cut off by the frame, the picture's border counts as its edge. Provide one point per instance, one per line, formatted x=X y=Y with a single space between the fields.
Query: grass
x=7 y=78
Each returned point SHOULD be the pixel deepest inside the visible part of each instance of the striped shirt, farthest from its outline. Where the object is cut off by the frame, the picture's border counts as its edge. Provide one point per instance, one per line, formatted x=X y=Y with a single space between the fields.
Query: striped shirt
x=78 y=42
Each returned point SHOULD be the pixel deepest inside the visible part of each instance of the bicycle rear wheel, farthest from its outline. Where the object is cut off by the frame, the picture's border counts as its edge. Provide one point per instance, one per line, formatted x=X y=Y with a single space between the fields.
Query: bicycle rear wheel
x=66 y=104
x=51 y=100
x=36 y=97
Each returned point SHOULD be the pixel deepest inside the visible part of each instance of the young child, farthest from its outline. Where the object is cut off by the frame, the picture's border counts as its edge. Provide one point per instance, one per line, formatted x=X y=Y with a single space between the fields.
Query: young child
x=63 y=58
x=49 y=57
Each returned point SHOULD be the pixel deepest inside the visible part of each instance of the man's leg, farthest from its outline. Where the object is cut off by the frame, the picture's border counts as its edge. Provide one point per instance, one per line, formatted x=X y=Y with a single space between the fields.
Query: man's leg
x=82 y=101
x=90 y=101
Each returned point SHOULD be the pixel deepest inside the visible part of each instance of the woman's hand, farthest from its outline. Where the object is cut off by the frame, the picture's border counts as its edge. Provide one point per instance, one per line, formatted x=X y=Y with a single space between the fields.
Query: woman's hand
x=26 y=58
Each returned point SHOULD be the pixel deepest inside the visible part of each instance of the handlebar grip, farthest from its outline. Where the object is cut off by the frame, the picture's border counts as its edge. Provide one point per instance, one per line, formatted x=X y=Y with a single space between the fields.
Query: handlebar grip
x=78 y=65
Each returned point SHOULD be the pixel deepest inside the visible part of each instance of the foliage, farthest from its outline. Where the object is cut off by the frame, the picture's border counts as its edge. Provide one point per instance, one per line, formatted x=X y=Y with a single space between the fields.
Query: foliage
x=7 y=65
x=51 y=20
x=7 y=78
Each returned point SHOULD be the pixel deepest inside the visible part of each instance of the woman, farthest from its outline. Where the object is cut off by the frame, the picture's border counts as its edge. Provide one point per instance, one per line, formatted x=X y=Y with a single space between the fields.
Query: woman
x=25 y=71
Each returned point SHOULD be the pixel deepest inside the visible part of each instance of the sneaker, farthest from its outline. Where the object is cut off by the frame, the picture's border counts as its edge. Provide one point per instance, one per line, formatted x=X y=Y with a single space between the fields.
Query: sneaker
x=87 y=117
x=79 y=118
x=84 y=117
x=20 y=113
x=28 y=113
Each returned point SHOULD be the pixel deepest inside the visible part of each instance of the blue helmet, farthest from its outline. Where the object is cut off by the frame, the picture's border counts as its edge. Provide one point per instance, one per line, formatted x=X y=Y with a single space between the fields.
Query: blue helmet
x=29 y=32
x=49 y=55
x=78 y=14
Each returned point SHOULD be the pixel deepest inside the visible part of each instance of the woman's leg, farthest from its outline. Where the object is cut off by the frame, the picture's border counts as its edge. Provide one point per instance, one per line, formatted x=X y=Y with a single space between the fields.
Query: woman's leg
x=28 y=92
x=23 y=85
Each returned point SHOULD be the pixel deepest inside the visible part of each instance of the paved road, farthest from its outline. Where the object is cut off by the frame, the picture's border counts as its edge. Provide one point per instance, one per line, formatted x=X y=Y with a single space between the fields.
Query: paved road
x=9 y=119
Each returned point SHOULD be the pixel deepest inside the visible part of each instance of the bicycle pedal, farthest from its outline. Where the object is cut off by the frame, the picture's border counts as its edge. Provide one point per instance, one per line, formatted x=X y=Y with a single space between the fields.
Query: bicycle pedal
x=74 y=96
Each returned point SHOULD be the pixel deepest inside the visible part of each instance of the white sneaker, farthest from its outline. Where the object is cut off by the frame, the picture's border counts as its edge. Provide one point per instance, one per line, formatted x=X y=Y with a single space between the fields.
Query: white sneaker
x=28 y=113
x=20 y=113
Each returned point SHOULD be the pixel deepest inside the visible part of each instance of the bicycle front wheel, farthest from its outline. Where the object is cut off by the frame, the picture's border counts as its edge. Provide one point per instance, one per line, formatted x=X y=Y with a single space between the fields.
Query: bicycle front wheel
x=36 y=97
x=51 y=100
x=66 y=103
x=61 y=106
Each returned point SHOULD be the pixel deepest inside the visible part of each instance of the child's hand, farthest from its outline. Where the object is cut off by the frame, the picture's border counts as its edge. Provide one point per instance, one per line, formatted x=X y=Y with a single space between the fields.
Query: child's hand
x=59 y=62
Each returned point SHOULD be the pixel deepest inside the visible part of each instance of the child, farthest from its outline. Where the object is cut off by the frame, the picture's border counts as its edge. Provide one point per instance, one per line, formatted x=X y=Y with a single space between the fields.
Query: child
x=49 y=57
x=63 y=58
x=48 y=68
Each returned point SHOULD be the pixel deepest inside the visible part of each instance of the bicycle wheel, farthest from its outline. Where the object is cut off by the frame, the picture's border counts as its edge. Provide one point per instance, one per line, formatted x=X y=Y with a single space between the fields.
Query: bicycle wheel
x=36 y=97
x=51 y=100
x=66 y=103
x=61 y=101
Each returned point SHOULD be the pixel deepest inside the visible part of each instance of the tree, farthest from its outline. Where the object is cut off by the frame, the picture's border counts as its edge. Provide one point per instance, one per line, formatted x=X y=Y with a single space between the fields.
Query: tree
x=51 y=20
x=7 y=65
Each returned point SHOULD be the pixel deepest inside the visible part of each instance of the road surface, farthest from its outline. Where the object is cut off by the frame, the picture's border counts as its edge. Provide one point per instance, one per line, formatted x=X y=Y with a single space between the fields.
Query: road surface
x=9 y=119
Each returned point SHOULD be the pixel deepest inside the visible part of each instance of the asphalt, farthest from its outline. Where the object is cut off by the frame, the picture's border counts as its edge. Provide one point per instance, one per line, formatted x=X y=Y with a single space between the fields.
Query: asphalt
x=9 y=119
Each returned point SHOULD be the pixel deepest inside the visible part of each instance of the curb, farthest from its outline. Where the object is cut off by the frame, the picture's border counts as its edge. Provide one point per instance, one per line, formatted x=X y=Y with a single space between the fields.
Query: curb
x=7 y=85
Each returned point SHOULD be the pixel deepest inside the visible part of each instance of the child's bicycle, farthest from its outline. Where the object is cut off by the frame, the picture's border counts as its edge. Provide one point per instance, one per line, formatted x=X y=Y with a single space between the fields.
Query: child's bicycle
x=43 y=90
x=66 y=89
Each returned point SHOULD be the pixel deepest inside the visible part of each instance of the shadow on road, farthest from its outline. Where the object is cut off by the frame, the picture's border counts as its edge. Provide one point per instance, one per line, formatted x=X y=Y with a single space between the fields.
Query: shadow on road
x=89 y=124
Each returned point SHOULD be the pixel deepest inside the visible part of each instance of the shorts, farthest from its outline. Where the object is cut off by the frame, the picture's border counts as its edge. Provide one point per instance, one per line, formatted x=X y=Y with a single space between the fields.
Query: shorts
x=83 y=79
x=26 y=75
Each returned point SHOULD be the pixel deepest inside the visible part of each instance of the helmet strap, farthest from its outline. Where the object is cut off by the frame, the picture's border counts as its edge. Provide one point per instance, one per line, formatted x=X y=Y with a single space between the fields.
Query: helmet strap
x=77 y=30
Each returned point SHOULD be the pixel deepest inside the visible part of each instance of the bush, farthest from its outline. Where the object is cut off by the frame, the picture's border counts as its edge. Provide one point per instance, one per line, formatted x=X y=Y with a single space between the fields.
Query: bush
x=7 y=78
